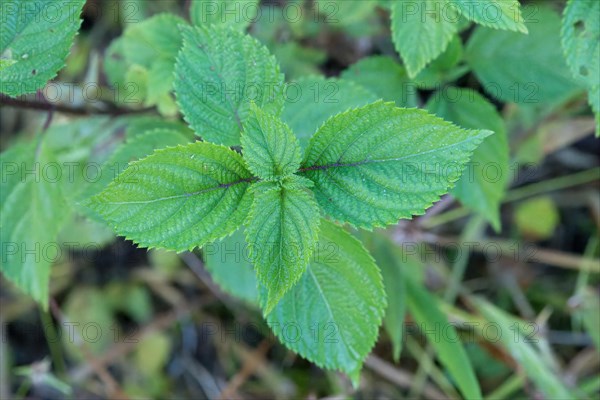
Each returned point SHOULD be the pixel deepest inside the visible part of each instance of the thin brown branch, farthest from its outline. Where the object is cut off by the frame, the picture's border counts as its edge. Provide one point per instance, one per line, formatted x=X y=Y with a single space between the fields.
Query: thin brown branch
x=29 y=104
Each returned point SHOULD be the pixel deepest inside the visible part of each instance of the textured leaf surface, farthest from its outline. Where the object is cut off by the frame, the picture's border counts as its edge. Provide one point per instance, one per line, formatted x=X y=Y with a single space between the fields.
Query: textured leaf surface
x=534 y=365
x=421 y=31
x=219 y=71
x=523 y=68
x=385 y=78
x=312 y=100
x=32 y=212
x=378 y=163
x=332 y=315
x=426 y=312
x=281 y=231
x=35 y=38
x=270 y=148
x=581 y=43
x=498 y=14
x=135 y=148
x=178 y=198
x=235 y=13
x=228 y=261
x=483 y=185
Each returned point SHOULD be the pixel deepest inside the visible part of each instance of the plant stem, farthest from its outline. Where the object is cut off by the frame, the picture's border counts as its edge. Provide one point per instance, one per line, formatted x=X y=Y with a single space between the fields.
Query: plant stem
x=67 y=109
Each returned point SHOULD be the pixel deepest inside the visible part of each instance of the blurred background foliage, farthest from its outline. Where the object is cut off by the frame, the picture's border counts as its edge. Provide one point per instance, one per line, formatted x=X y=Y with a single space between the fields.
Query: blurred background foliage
x=130 y=323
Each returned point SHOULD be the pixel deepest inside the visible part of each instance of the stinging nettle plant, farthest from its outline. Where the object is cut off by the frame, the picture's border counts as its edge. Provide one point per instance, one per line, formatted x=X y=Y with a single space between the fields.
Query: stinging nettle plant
x=366 y=167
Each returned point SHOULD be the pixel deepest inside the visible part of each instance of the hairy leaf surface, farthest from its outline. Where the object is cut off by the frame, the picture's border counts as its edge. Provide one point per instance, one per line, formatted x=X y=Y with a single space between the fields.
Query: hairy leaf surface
x=332 y=315
x=378 y=163
x=270 y=148
x=178 y=198
x=281 y=231
x=219 y=71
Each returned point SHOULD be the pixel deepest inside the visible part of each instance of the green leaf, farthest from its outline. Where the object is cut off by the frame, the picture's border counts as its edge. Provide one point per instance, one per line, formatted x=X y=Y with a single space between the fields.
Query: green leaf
x=483 y=186
x=498 y=14
x=234 y=13
x=581 y=43
x=35 y=38
x=447 y=67
x=281 y=231
x=178 y=198
x=154 y=44
x=271 y=150
x=229 y=264
x=134 y=148
x=219 y=71
x=312 y=100
x=523 y=68
x=32 y=211
x=332 y=315
x=392 y=262
x=385 y=78
x=590 y=312
x=426 y=312
x=517 y=344
x=421 y=31
x=378 y=163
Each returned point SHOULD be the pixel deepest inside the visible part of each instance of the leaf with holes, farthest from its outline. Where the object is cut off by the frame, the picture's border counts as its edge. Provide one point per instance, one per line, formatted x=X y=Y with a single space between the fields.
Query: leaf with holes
x=35 y=38
x=581 y=42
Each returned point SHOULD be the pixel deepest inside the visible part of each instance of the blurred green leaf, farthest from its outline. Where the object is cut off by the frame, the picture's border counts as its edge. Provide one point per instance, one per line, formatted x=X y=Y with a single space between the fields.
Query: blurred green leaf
x=483 y=184
x=385 y=78
x=33 y=209
x=443 y=337
x=581 y=42
x=521 y=68
x=310 y=101
x=228 y=261
x=517 y=344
